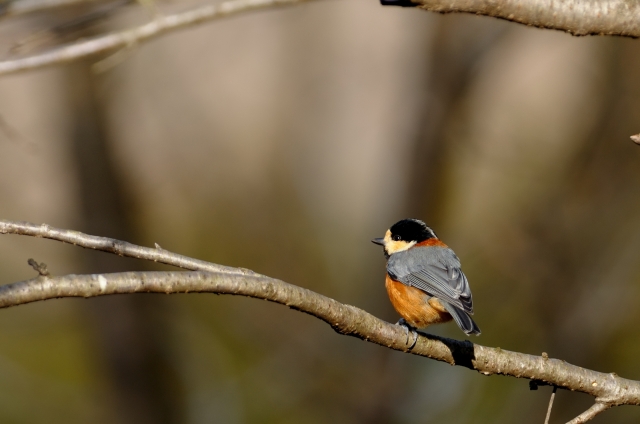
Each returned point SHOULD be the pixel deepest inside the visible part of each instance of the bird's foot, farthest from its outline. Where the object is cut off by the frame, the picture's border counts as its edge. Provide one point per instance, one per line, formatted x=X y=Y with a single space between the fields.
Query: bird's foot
x=408 y=327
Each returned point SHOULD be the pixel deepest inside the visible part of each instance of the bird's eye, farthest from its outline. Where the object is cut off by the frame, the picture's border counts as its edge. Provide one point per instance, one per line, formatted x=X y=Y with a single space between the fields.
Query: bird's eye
x=397 y=238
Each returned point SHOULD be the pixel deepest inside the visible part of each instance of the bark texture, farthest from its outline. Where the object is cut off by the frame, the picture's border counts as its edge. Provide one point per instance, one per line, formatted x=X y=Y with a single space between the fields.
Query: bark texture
x=577 y=17
x=608 y=389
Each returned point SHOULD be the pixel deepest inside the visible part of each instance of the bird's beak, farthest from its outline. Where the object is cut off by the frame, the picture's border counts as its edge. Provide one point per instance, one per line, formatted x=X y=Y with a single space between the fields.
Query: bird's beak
x=379 y=241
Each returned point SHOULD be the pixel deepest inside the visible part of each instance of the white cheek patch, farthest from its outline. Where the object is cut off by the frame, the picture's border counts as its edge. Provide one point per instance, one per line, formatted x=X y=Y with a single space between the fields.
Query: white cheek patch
x=398 y=246
x=392 y=246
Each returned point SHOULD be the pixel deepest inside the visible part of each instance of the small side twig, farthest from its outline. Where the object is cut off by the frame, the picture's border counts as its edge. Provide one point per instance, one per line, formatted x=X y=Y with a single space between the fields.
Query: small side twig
x=553 y=395
x=10 y=133
x=41 y=268
x=68 y=30
x=590 y=413
x=117 y=247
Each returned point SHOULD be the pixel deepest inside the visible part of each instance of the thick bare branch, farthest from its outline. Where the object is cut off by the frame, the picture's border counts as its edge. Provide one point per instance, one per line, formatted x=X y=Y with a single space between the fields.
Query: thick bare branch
x=608 y=389
x=590 y=413
x=159 y=26
x=577 y=17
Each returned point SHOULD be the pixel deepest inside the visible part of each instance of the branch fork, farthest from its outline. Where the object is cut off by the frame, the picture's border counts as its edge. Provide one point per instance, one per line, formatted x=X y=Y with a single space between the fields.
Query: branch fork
x=204 y=277
x=577 y=17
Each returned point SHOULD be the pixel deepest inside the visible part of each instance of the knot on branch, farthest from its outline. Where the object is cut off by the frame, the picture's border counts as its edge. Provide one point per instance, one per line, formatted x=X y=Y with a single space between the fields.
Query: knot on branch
x=118 y=247
x=41 y=268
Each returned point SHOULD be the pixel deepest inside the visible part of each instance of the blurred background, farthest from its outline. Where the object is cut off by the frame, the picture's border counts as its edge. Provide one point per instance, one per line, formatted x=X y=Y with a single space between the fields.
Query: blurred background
x=283 y=141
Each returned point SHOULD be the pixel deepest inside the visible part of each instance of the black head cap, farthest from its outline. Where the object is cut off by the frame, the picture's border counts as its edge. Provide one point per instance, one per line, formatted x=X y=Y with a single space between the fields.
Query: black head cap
x=411 y=230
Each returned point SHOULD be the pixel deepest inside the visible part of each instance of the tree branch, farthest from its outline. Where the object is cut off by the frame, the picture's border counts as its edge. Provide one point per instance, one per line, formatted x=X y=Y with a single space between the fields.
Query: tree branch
x=577 y=17
x=159 y=26
x=553 y=395
x=590 y=413
x=21 y=7
x=608 y=389
x=118 y=247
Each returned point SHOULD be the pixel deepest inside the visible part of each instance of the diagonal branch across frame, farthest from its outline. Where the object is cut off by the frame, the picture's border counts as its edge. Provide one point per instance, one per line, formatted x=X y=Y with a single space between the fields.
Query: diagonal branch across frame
x=608 y=389
x=577 y=17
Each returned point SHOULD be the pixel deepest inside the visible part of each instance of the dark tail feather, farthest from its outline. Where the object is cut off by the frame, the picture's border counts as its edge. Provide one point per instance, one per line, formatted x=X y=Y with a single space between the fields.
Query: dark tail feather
x=463 y=319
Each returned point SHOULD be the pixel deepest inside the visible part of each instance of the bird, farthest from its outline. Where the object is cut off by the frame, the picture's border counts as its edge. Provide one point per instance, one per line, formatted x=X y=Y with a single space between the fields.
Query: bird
x=424 y=280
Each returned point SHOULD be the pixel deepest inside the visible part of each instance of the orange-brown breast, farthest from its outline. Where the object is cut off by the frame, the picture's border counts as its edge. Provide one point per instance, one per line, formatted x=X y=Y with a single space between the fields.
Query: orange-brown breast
x=412 y=304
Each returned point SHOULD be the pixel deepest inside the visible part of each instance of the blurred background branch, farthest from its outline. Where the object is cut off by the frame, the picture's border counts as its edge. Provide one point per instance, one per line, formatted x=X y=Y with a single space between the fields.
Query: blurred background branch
x=162 y=24
x=577 y=17
x=21 y=7
x=594 y=17
x=10 y=8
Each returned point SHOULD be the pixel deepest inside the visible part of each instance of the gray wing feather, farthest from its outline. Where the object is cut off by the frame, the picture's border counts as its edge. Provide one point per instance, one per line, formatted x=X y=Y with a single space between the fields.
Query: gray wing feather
x=434 y=270
x=464 y=321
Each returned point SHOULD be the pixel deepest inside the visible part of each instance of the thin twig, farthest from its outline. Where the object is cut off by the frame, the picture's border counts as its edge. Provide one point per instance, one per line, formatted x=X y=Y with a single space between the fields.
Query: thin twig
x=159 y=26
x=608 y=389
x=598 y=17
x=590 y=413
x=553 y=395
x=21 y=7
x=70 y=29
x=120 y=248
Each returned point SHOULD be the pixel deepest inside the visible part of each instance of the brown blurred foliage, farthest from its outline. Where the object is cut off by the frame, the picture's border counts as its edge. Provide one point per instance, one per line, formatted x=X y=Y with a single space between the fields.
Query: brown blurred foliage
x=283 y=142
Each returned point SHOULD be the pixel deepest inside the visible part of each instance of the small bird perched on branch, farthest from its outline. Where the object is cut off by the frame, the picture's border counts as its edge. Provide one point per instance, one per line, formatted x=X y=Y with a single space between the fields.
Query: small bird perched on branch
x=424 y=280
